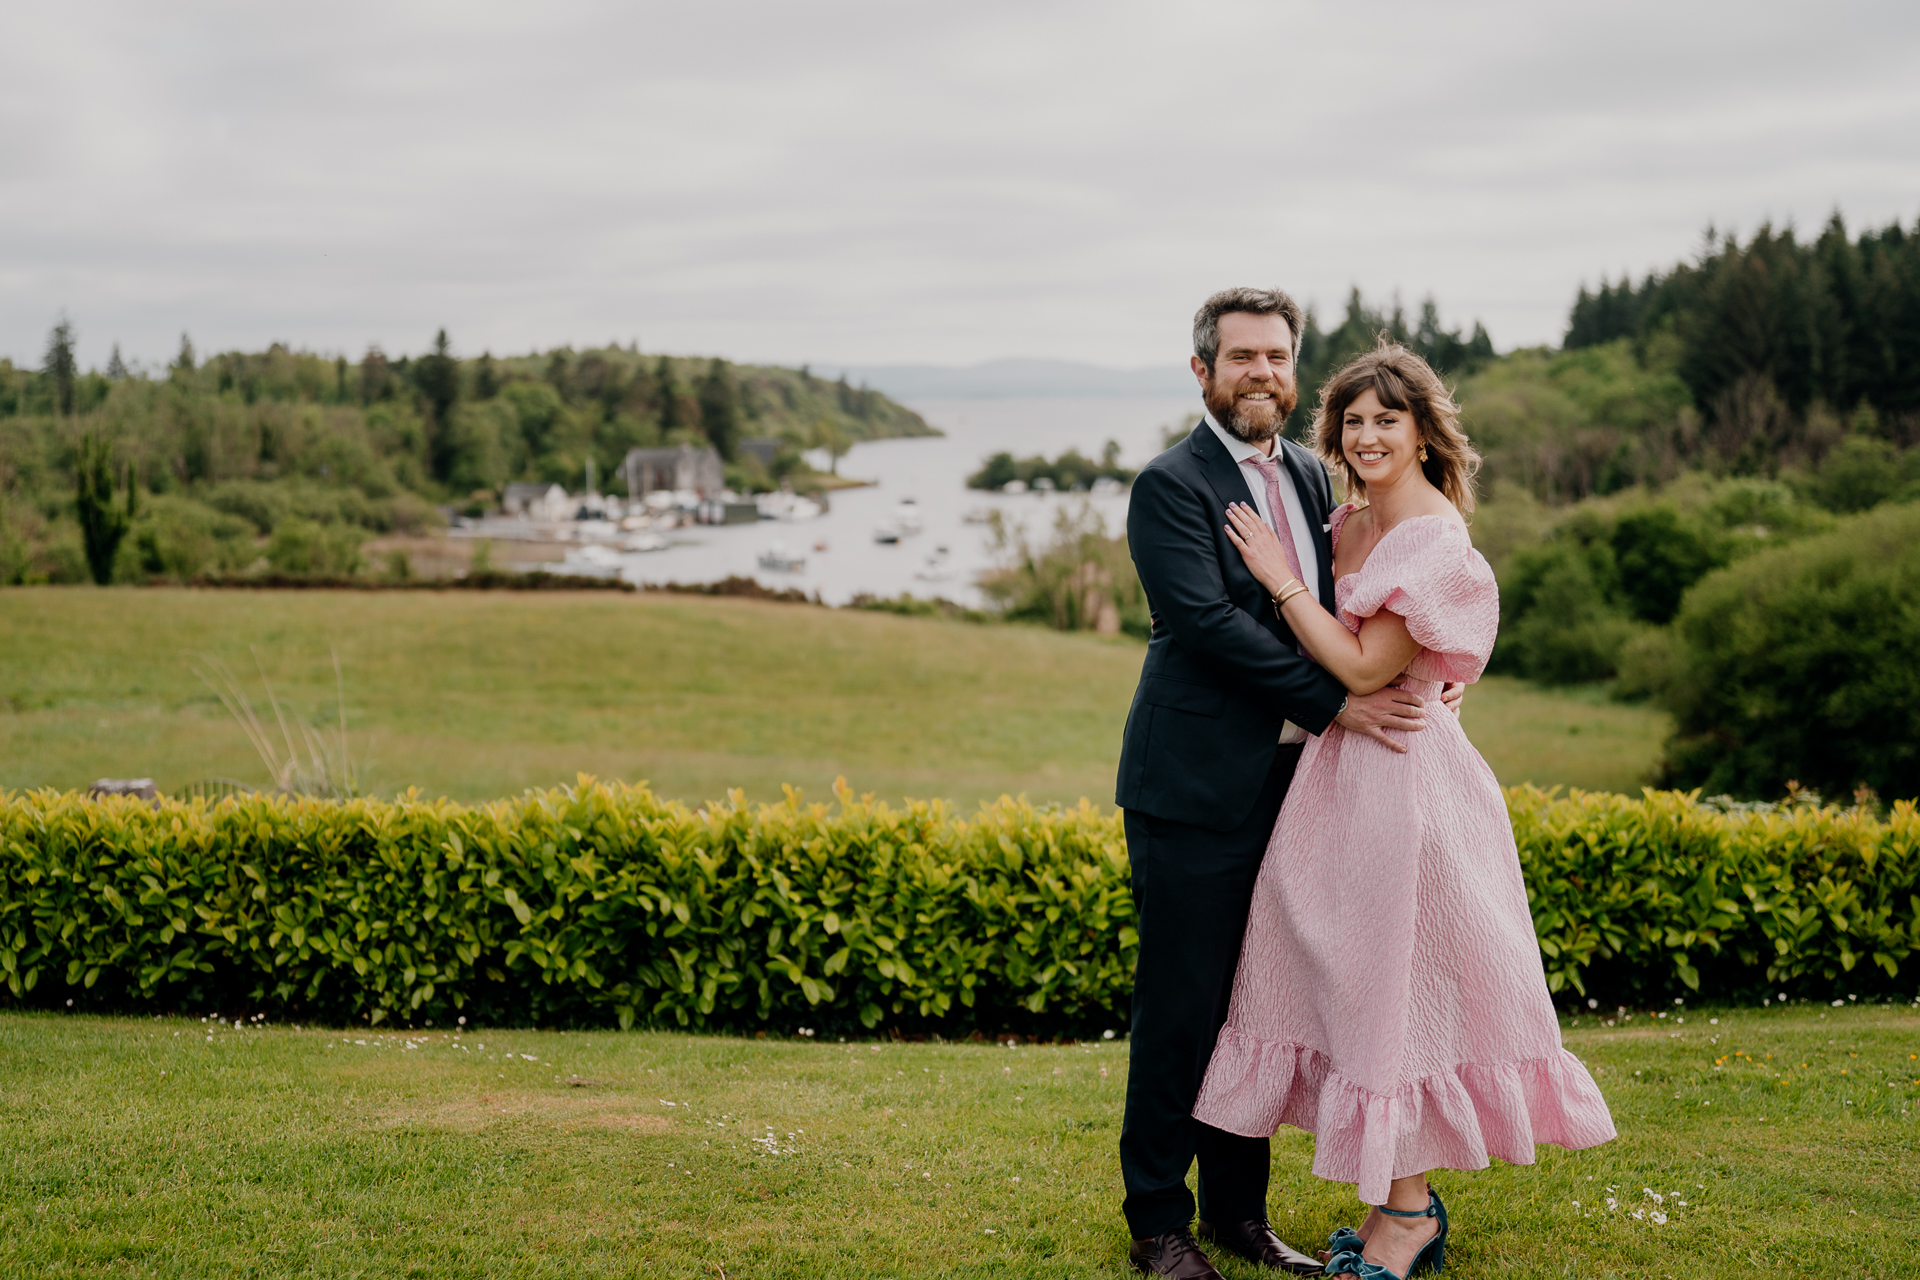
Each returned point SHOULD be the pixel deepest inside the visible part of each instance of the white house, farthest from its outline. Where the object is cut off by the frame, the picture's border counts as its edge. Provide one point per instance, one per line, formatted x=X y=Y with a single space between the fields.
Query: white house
x=538 y=502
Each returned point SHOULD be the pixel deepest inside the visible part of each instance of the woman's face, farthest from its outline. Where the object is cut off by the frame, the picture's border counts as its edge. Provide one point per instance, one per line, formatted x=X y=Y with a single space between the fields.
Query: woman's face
x=1379 y=443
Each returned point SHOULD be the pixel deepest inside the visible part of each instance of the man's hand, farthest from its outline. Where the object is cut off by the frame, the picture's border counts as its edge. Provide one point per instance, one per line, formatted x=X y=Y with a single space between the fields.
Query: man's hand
x=1374 y=713
x=1450 y=693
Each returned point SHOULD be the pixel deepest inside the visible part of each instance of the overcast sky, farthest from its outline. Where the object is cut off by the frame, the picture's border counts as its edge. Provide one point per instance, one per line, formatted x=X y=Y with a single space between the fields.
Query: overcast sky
x=874 y=182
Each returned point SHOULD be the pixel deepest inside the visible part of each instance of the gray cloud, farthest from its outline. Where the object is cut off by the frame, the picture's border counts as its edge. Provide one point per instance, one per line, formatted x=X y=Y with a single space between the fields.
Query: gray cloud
x=872 y=182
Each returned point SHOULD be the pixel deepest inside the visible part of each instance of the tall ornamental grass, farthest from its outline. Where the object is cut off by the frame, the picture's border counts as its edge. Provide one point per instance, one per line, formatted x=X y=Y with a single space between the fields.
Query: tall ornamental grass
x=604 y=904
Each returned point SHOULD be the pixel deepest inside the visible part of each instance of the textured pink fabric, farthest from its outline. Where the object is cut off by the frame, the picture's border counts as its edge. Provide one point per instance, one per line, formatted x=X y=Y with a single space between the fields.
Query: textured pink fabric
x=1390 y=997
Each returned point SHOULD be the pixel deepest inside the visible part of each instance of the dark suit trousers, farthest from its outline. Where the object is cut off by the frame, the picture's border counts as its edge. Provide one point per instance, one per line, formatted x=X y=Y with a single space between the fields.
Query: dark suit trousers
x=1192 y=889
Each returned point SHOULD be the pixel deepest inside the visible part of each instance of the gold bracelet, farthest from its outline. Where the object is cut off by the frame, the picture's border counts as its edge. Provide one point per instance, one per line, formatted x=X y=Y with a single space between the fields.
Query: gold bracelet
x=1283 y=595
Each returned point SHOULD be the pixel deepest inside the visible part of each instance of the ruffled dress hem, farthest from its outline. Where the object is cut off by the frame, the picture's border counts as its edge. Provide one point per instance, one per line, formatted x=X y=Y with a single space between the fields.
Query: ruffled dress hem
x=1454 y=1119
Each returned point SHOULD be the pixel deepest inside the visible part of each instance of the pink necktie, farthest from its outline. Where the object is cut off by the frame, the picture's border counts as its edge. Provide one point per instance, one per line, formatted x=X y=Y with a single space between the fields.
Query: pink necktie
x=1283 y=527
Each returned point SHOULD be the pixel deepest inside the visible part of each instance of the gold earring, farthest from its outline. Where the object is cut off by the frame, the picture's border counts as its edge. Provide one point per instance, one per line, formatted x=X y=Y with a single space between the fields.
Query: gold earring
x=1423 y=453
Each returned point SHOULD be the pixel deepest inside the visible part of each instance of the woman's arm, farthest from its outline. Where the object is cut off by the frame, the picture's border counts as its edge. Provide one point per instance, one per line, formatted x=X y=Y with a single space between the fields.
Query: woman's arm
x=1176 y=552
x=1363 y=663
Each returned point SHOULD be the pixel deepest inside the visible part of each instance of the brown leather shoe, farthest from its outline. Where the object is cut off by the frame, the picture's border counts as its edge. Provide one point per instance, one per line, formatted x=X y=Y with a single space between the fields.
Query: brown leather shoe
x=1172 y=1253
x=1257 y=1241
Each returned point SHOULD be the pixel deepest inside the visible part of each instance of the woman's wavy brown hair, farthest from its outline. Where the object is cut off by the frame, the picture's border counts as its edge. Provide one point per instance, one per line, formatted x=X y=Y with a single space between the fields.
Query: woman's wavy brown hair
x=1405 y=382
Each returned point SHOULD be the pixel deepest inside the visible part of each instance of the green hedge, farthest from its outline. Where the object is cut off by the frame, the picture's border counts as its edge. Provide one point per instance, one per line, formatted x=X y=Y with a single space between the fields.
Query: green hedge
x=602 y=903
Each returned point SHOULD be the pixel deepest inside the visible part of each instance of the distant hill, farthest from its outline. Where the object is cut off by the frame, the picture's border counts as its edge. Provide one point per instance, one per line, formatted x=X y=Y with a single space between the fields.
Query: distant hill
x=1020 y=378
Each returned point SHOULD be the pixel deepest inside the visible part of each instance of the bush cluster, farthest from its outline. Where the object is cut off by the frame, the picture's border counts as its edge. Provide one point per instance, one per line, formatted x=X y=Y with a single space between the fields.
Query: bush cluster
x=1585 y=601
x=1803 y=664
x=604 y=904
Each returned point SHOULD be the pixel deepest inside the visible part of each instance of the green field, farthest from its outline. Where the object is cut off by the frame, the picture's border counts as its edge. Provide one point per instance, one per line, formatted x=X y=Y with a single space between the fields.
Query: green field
x=1781 y=1142
x=477 y=695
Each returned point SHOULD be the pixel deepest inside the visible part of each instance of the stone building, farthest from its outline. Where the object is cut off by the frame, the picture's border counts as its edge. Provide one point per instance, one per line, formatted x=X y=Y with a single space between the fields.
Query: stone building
x=679 y=468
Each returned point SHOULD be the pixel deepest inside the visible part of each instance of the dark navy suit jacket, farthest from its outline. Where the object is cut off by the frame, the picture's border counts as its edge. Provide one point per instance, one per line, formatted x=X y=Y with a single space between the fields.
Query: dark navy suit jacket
x=1222 y=674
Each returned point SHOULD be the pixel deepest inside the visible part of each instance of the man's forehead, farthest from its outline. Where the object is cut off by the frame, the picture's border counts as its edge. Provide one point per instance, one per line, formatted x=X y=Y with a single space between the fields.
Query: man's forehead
x=1245 y=329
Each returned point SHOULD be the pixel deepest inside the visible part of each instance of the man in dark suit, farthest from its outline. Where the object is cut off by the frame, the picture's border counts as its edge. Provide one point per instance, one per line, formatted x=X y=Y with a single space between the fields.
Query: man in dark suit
x=1226 y=699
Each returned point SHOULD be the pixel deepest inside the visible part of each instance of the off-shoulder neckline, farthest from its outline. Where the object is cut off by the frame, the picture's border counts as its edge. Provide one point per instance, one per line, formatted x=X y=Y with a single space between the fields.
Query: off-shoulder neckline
x=1351 y=508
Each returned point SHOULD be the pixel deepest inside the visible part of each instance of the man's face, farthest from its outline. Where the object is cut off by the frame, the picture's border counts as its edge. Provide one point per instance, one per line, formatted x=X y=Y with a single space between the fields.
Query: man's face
x=1251 y=389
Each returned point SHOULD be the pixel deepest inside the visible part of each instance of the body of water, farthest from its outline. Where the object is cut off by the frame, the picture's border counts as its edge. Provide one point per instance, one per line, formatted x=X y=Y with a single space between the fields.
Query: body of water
x=932 y=471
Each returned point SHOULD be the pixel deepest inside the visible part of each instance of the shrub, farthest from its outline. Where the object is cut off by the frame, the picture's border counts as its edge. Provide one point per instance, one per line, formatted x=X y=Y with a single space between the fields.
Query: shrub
x=605 y=904
x=302 y=548
x=180 y=539
x=1559 y=619
x=1644 y=898
x=595 y=903
x=1864 y=472
x=1576 y=605
x=1803 y=664
x=1081 y=581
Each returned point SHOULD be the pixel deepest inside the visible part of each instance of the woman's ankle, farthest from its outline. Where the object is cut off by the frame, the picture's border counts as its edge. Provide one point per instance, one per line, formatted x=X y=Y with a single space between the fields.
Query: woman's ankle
x=1407 y=1195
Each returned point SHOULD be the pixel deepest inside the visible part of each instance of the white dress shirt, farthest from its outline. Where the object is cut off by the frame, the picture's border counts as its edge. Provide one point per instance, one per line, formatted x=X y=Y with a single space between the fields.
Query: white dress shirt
x=1304 y=544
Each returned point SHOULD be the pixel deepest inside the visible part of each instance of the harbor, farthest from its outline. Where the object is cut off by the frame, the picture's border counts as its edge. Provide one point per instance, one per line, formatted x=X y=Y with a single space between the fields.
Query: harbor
x=912 y=527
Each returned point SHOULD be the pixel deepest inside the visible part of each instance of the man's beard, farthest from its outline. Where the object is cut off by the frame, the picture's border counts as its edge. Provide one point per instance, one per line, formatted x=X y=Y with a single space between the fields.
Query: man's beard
x=1251 y=420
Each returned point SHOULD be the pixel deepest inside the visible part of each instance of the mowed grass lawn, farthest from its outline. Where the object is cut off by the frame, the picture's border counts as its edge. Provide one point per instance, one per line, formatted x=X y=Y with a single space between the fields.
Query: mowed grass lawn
x=476 y=696
x=1780 y=1143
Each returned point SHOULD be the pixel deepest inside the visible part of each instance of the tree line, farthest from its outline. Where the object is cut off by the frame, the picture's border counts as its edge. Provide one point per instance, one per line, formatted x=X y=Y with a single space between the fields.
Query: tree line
x=1780 y=341
x=206 y=456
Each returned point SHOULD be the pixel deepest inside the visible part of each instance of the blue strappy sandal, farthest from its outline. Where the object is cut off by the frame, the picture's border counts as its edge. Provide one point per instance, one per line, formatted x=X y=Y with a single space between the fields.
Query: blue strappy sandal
x=1345 y=1240
x=1432 y=1257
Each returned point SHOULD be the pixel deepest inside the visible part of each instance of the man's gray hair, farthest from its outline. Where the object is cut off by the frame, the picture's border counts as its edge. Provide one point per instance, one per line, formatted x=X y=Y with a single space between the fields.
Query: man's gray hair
x=1259 y=302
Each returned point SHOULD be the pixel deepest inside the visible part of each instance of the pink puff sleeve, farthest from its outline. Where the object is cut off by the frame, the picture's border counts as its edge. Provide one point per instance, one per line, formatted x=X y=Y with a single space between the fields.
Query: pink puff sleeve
x=1427 y=571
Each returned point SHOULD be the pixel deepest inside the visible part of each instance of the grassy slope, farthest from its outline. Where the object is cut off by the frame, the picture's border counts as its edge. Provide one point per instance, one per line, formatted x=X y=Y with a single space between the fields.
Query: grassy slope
x=144 y=1147
x=477 y=696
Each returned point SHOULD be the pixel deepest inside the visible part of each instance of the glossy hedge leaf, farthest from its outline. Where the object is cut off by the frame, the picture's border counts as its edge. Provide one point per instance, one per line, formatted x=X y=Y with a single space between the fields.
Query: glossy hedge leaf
x=603 y=903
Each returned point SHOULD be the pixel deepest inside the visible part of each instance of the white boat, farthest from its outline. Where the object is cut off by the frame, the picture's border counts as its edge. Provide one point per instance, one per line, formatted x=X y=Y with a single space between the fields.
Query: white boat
x=783 y=505
x=595 y=560
x=595 y=531
x=937 y=567
x=779 y=558
x=1014 y=487
x=644 y=541
x=886 y=533
x=906 y=516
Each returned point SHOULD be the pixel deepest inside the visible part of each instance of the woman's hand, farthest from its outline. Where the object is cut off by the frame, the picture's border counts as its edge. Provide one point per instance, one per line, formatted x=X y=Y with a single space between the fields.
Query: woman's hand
x=1259 y=547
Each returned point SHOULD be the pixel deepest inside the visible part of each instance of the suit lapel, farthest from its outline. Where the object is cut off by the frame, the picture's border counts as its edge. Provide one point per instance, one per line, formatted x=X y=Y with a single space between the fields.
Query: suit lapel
x=1223 y=474
x=1228 y=481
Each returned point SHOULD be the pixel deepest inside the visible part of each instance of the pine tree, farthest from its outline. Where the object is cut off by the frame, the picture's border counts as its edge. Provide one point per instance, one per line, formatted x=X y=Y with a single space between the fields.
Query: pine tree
x=486 y=380
x=669 y=396
x=375 y=384
x=59 y=368
x=438 y=378
x=183 y=363
x=719 y=409
x=116 y=367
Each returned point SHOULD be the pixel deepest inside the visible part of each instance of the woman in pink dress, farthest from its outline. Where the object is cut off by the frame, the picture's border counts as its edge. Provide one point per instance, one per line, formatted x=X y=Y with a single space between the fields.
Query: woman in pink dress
x=1390 y=997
